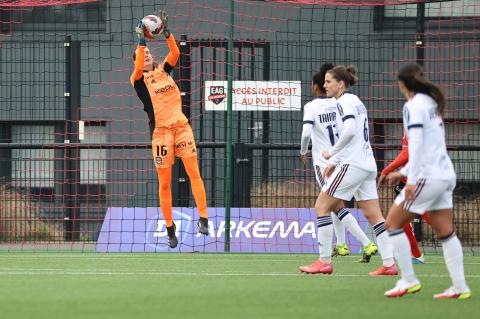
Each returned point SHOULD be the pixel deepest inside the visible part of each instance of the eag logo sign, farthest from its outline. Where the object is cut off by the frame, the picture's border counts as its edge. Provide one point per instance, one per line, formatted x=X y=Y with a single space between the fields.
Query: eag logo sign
x=217 y=94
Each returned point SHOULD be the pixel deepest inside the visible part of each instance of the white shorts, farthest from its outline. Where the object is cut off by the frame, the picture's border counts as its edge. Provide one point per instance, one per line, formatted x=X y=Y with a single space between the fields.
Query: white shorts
x=429 y=195
x=319 y=174
x=349 y=181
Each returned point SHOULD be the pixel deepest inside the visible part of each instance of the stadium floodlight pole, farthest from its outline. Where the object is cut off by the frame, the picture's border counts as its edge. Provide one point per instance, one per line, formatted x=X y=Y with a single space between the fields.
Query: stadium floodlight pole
x=229 y=137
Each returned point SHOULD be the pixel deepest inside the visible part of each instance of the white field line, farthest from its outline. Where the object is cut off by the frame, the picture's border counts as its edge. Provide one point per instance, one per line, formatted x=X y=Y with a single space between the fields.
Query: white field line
x=438 y=259
x=93 y=272
x=159 y=257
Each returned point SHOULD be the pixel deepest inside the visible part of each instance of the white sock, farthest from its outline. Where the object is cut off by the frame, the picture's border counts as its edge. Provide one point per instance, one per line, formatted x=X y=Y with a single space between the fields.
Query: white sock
x=384 y=245
x=339 y=229
x=453 y=255
x=401 y=249
x=353 y=227
x=325 y=237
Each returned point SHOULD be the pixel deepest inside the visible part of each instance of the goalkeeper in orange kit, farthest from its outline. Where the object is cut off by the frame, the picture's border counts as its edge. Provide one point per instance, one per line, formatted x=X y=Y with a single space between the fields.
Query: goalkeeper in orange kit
x=171 y=134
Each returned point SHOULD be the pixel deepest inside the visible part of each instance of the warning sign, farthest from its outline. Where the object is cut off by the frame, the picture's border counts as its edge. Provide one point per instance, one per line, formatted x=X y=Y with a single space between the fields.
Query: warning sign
x=254 y=96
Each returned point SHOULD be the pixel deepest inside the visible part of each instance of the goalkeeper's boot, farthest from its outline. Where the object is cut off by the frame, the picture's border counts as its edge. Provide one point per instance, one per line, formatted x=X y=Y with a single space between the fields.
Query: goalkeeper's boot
x=317 y=267
x=403 y=287
x=172 y=238
x=341 y=250
x=367 y=252
x=202 y=225
x=385 y=271
x=453 y=293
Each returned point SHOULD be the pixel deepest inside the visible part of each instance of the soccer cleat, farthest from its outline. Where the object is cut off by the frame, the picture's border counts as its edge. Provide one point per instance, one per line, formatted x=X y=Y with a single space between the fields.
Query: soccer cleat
x=453 y=293
x=172 y=238
x=202 y=225
x=418 y=260
x=385 y=271
x=402 y=288
x=341 y=250
x=367 y=252
x=317 y=267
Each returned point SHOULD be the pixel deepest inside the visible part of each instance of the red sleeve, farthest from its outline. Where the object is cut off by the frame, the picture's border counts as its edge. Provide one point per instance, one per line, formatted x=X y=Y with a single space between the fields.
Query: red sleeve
x=404 y=141
x=401 y=160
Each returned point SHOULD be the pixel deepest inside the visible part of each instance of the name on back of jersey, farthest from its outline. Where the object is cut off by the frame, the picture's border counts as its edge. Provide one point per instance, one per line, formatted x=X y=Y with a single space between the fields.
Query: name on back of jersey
x=328 y=117
x=360 y=108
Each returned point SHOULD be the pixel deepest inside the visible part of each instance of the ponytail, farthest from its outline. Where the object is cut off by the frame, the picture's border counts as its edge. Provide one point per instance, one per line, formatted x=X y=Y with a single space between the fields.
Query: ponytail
x=347 y=74
x=352 y=71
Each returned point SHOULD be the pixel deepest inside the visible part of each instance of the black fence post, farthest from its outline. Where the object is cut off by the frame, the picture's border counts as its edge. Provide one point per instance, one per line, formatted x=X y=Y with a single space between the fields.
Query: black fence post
x=5 y=154
x=420 y=53
x=5 y=21
x=420 y=36
x=242 y=175
x=266 y=118
x=72 y=154
x=379 y=138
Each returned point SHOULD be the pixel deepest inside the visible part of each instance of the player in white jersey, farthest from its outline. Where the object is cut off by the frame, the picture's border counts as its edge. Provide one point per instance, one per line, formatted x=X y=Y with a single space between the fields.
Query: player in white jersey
x=320 y=123
x=430 y=183
x=350 y=172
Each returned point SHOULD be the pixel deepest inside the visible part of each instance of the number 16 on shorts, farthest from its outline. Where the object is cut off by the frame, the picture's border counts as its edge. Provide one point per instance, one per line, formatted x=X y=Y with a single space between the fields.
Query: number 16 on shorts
x=161 y=152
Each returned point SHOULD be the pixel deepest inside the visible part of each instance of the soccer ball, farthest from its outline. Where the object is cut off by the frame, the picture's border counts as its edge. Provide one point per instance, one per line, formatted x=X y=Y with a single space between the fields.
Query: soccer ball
x=152 y=26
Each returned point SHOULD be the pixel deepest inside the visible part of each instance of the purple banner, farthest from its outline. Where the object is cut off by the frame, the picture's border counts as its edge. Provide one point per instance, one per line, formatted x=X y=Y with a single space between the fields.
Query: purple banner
x=252 y=230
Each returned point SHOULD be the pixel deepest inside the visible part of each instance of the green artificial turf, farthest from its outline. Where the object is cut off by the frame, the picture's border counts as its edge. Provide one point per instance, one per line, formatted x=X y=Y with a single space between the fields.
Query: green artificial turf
x=89 y=285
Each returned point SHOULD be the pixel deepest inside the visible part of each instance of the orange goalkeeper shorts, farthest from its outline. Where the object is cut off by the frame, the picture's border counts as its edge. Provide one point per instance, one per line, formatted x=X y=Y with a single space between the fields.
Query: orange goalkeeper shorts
x=168 y=142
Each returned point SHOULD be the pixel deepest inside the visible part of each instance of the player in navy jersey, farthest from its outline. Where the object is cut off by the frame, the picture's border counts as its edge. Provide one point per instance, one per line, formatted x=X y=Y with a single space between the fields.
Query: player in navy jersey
x=350 y=172
x=431 y=180
x=321 y=124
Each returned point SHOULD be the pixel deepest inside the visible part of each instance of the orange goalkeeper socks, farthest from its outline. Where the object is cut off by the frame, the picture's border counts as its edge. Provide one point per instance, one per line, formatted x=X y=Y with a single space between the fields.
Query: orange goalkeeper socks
x=165 y=193
x=196 y=182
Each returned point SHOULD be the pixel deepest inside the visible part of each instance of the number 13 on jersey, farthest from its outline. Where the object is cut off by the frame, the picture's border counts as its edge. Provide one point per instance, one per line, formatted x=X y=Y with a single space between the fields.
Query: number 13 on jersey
x=332 y=133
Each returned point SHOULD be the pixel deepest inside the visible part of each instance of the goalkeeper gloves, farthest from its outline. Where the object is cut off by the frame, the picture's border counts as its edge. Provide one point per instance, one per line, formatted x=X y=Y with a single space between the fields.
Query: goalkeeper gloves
x=140 y=34
x=164 y=17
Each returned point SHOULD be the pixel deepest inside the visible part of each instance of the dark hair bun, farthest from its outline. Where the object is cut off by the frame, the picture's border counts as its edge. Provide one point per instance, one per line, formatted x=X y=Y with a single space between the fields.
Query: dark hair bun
x=352 y=71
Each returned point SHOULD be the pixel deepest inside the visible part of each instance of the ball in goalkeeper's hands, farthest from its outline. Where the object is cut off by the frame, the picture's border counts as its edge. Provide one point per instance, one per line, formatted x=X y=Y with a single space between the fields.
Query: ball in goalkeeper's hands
x=152 y=26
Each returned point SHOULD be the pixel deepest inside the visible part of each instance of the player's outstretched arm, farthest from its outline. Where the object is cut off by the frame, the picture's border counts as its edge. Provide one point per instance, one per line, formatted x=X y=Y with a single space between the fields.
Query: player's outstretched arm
x=400 y=161
x=172 y=58
x=140 y=54
x=174 y=54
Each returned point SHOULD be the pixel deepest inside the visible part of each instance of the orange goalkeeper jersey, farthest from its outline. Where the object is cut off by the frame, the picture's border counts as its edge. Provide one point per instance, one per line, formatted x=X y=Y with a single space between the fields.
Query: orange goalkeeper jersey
x=157 y=90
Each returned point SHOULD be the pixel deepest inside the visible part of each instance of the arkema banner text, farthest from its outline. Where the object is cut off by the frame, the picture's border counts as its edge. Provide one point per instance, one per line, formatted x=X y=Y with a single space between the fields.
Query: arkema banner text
x=252 y=230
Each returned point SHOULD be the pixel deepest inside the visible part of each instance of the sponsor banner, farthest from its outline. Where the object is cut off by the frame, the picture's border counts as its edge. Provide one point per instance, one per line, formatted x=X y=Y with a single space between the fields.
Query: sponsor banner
x=254 y=96
x=252 y=230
